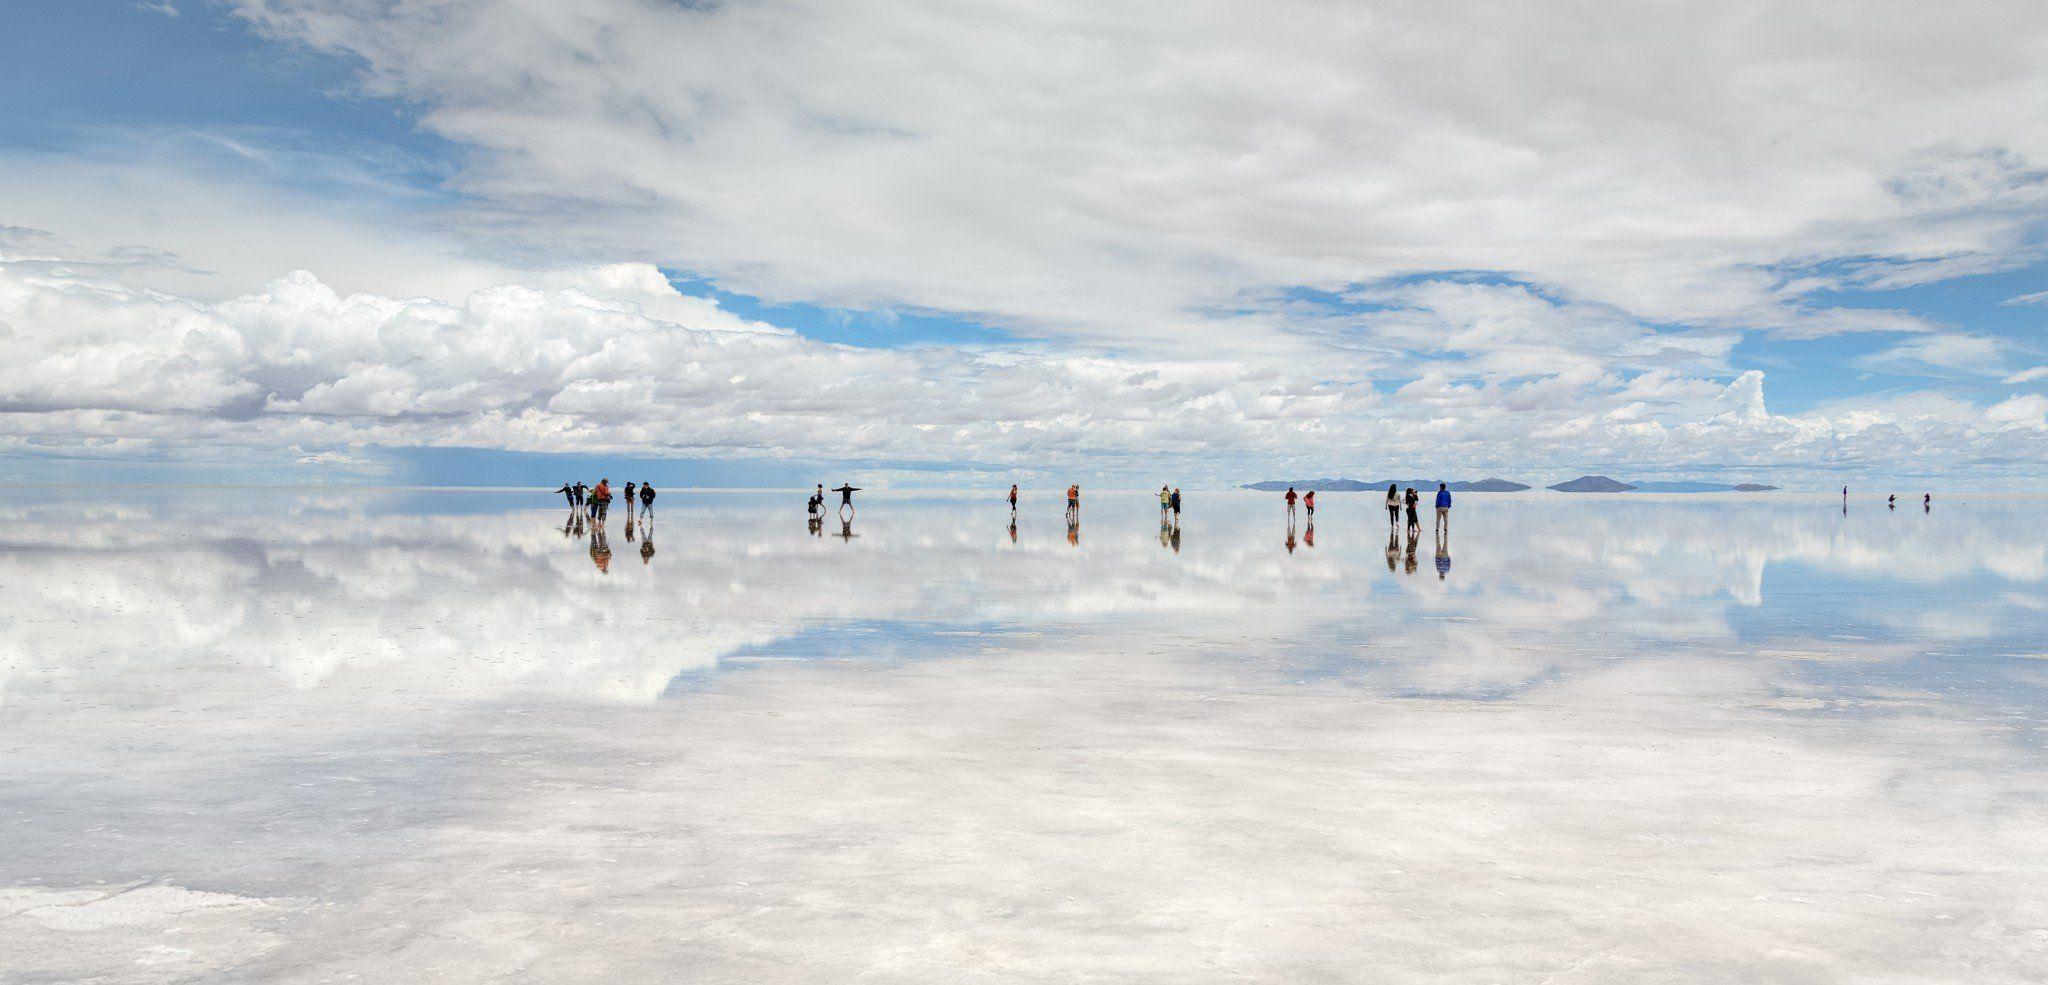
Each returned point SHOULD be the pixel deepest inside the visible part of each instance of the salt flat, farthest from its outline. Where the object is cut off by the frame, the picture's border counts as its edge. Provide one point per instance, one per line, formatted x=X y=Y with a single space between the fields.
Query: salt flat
x=306 y=736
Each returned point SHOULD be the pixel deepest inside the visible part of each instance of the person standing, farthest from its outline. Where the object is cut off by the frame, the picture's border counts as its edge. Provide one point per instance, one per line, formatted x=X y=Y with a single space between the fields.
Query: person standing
x=581 y=492
x=1165 y=501
x=1410 y=499
x=1443 y=510
x=1891 y=502
x=647 y=498
x=1176 y=510
x=1073 y=503
x=631 y=492
x=846 y=492
x=1927 y=503
x=1013 y=497
x=1393 y=509
x=601 y=500
x=1308 y=502
x=1291 y=497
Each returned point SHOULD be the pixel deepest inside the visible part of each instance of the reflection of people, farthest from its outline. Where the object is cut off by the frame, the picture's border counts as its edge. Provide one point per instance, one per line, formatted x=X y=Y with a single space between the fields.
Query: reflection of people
x=647 y=541
x=1013 y=529
x=1409 y=499
x=1176 y=538
x=1393 y=549
x=1891 y=502
x=1443 y=509
x=1290 y=537
x=1074 y=526
x=846 y=528
x=1408 y=557
x=1308 y=534
x=846 y=492
x=600 y=550
x=1393 y=510
x=816 y=524
x=1443 y=559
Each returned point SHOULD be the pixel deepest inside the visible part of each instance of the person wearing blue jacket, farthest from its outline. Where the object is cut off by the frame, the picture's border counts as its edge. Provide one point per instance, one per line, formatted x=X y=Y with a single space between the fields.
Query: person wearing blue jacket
x=1443 y=510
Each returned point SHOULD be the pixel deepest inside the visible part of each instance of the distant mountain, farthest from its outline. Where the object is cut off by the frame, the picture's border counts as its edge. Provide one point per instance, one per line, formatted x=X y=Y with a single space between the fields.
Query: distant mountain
x=1593 y=484
x=1690 y=486
x=1353 y=485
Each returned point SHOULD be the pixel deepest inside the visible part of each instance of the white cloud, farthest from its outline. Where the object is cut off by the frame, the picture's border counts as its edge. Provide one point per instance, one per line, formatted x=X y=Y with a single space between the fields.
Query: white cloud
x=613 y=361
x=1098 y=170
x=1942 y=353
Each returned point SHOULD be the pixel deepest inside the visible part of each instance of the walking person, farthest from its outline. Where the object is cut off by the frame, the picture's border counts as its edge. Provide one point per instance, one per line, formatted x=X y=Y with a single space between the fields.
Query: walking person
x=1393 y=508
x=1291 y=497
x=846 y=492
x=1409 y=500
x=647 y=499
x=1443 y=510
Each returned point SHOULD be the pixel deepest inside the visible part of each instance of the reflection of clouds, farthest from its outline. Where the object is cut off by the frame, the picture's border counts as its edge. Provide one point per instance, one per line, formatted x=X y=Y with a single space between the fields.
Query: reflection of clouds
x=1607 y=745
x=315 y=587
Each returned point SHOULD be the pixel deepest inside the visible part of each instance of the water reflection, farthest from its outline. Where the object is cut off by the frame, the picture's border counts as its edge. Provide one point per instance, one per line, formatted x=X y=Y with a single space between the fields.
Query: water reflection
x=1609 y=718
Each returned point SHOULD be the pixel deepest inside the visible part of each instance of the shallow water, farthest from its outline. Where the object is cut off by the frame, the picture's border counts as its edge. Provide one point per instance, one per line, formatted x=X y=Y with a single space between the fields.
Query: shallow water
x=282 y=736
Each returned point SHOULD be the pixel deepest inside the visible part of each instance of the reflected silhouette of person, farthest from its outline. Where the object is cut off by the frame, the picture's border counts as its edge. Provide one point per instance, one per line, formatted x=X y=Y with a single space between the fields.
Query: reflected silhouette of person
x=1290 y=538
x=1308 y=534
x=600 y=550
x=629 y=530
x=647 y=544
x=816 y=525
x=1176 y=538
x=579 y=523
x=1408 y=558
x=1443 y=558
x=1927 y=503
x=569 y=527
x=846 y=529
x=1013 y=529
x=1165 y=528
x=1074 y=531
x=1393 y=550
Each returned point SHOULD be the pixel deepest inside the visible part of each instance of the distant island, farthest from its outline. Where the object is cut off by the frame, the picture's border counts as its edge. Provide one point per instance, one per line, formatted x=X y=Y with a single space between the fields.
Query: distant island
x=1603 y=484
x=1353 y=485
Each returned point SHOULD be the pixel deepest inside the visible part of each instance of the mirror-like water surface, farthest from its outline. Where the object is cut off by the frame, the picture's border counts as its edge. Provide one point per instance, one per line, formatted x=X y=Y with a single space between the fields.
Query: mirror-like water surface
x=265 y=735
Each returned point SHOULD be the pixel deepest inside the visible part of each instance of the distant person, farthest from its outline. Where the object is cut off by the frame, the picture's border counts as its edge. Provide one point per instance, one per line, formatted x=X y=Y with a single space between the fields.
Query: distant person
x=1927 y=503
x=1165 y=502
x=632 y=492
x=647 y=498
x=846 y=492
x=1410 y=499
x=1891 y=502
x=1074 y=502
x=1393 y=511
x=601 y=499
x=569 y=493
x=816 y=506
x=1443 y=509
x=1176 y=511
x=1013 y=497
x=1845 y=495
x=1308 y=503
x=1291 y=498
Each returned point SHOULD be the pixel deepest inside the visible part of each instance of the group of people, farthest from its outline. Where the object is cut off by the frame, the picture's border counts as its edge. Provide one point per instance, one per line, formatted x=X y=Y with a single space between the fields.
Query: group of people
x=600 y=542
x=1397 y=503
x=815 y=509
x=596 y=500
x=1891 y=502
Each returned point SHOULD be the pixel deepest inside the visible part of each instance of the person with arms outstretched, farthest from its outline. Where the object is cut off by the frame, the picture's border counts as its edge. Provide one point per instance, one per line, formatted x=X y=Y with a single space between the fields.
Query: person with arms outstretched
x=846 y=492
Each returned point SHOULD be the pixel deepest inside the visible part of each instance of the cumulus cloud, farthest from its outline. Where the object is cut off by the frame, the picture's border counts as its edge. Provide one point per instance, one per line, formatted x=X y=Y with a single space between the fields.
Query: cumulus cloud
x=614 y=360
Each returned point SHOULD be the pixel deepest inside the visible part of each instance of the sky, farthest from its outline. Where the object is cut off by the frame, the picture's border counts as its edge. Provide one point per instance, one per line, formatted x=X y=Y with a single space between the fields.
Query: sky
x=943 y=243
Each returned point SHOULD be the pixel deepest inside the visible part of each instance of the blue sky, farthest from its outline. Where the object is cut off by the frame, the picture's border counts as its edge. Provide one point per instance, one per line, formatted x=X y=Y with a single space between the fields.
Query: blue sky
x=879 y=256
